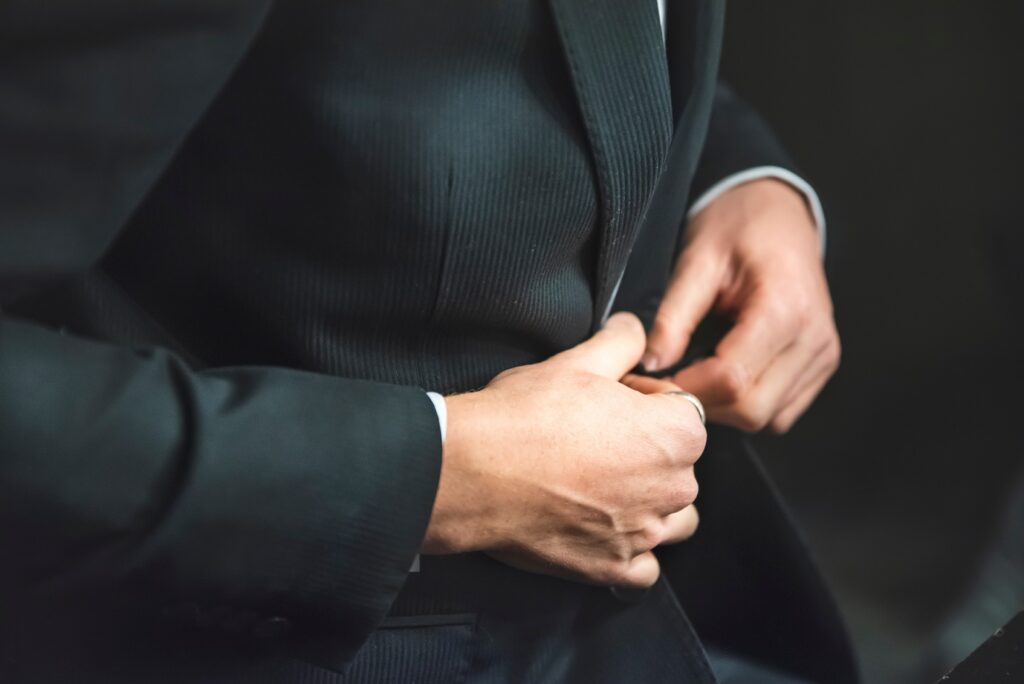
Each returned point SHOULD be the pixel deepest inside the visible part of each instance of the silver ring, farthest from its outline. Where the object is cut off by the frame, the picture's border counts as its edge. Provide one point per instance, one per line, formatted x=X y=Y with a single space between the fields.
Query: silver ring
x=693 y=400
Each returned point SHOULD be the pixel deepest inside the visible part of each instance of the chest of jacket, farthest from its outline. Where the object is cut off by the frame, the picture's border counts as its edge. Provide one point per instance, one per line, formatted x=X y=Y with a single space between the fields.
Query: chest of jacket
x=380 y=182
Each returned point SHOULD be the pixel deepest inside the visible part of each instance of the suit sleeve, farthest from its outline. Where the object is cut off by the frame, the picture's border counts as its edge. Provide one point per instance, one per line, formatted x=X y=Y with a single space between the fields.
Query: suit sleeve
x=278 y=491
x=738 y=139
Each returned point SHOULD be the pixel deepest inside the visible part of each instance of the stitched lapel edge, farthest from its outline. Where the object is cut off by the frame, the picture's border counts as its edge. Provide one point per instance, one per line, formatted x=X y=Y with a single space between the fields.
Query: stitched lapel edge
x=617 y=65
x=694 y=54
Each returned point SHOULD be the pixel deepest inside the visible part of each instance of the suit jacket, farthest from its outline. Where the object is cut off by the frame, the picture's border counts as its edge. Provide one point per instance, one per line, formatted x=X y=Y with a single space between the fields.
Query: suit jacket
x=240 y=238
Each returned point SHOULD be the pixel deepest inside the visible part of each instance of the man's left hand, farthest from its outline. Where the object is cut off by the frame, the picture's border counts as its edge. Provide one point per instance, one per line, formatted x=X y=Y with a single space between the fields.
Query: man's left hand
x=752 y=254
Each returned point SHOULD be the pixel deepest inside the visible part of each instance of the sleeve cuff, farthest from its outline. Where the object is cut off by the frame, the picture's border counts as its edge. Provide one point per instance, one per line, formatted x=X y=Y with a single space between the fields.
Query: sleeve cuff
x=442 y=412
x=758 y=172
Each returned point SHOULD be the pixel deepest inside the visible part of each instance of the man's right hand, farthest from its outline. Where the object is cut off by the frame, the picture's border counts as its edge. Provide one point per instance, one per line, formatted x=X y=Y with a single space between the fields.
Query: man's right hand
x=560 y=469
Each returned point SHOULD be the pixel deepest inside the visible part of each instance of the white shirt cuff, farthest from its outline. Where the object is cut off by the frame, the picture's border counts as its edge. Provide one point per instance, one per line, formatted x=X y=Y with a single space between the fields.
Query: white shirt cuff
x=756 y=173
x=442 y=421
x=442 y=412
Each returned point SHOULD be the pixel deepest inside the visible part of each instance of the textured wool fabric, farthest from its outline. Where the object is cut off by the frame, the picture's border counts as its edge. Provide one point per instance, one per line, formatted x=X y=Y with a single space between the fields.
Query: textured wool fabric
x=450 y=220
x=280 y=224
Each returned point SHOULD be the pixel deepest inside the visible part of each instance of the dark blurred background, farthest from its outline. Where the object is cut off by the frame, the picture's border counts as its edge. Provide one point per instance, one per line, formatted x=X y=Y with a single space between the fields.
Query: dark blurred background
x=908 y=117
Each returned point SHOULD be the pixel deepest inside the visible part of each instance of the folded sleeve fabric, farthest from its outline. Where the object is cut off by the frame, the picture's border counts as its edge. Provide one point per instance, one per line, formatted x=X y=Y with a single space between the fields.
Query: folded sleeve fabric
x=741 y=147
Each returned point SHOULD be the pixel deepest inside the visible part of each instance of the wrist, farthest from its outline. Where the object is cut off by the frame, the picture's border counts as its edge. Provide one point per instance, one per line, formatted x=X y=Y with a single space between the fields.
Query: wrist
x=782 y=194
x=458 y=522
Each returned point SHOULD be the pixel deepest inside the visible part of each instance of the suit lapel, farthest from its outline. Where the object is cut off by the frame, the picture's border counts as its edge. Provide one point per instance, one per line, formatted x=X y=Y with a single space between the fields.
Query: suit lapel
x=619 y=73
x=694 y=44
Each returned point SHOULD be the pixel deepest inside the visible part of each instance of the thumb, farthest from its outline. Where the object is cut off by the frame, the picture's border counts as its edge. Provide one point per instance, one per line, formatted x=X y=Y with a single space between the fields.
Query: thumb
x=689 y=297
x=612 y=352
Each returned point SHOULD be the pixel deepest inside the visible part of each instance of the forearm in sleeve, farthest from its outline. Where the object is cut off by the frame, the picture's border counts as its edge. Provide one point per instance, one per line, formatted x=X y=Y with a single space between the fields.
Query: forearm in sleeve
x=270 y=489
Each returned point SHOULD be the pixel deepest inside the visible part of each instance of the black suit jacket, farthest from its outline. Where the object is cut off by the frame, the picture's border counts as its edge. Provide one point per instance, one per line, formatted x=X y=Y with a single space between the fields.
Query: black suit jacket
x=238 y=240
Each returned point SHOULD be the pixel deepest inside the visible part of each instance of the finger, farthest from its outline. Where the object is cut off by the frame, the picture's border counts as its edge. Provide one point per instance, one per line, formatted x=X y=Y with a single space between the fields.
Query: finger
x=809 y=376
x=826 y=360
x=690 y=295
x=643 y=571
x=788 y=417
x=648 y=385
x=681 y=525
x=755 y=409
x=741 y=357
x=612 y=352
x=712 y=380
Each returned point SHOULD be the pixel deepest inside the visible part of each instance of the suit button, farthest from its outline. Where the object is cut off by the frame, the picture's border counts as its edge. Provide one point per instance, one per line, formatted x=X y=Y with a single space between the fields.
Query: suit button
x=271 y=628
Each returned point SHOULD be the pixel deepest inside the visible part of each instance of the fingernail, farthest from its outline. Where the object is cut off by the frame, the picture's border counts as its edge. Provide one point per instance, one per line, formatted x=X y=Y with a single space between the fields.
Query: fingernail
x=649 y=362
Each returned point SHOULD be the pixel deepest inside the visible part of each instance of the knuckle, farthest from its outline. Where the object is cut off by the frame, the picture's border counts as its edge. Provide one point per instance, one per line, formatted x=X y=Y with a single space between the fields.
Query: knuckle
x=735 y=380
x=700 y=440
x=613 y=573
x=651 y=534
x=834 y=353
x=785 y=309
x=688 y=439
x=801 y=310
x=826 y=335
x=664 y=318
x=753 y=412
x=666 y=323
x=679 y=496
x=752 y=418
x=687 y=490
x=692 y=444
x=779 y=426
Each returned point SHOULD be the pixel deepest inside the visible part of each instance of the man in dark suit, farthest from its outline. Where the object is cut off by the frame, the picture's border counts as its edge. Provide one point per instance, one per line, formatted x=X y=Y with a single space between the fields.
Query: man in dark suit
x=240 y=242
